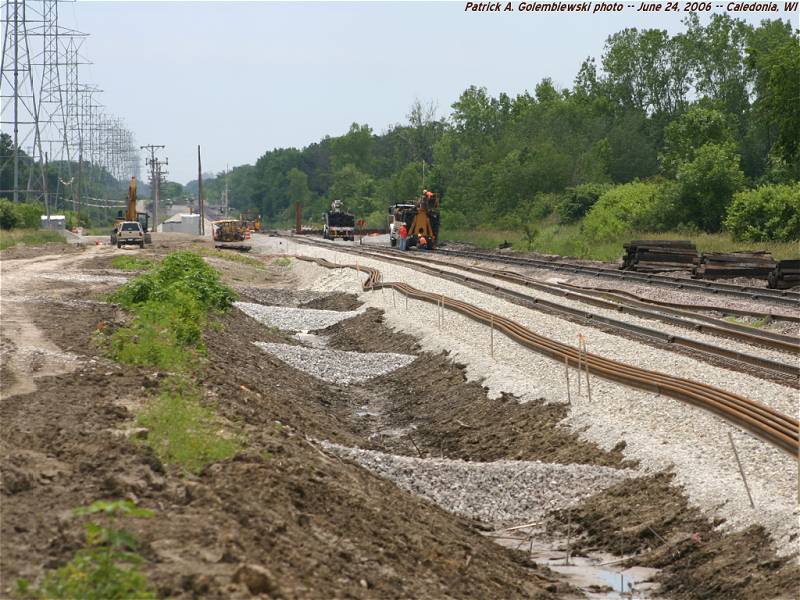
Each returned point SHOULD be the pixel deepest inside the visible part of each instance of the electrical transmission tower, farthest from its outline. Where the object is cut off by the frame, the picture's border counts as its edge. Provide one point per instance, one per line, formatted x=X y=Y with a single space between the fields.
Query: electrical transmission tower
x=57 y=122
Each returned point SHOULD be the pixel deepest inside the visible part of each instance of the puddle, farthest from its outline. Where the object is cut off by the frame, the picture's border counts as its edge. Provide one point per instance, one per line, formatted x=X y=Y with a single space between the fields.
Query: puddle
x=593 y=574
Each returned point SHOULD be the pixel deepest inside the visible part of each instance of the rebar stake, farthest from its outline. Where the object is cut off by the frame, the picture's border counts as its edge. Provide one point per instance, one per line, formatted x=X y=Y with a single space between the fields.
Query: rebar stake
x=741 y=470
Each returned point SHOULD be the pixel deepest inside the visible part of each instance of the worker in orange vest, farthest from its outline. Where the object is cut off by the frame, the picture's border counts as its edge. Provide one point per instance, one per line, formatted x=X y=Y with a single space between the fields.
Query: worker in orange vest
x=403 y=236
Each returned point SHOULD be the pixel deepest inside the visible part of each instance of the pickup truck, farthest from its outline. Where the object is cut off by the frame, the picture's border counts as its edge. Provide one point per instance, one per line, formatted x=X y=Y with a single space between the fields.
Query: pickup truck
x=127 y=232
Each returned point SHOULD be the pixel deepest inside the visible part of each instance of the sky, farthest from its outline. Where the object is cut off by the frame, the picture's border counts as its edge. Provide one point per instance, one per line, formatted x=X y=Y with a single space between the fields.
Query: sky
x=241 y=78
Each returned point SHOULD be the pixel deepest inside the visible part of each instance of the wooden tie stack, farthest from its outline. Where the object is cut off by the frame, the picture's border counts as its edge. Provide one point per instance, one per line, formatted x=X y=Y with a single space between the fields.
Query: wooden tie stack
x=757 y=264
x=654 y=256
x=786 y=274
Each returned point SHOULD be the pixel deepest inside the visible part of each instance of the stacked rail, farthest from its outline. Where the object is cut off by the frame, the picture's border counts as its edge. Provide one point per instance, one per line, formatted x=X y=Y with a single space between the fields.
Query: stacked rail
x=764 y=422
x=659 y=256
x=786 y=274
x=716 y=265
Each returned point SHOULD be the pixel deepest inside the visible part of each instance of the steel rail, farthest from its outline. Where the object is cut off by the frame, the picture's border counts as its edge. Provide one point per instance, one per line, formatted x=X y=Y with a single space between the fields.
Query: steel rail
x=778 y=296
x=680 y=318
x=690 y=307
x=764 y=422
x=773 y=367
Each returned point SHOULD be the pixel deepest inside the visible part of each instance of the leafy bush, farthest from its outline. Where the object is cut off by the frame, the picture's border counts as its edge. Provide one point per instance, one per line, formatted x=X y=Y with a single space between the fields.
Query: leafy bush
x=707 y=185
x=577 y=201
x=629 y=207
x=106 y=569
x=768 y=213
x=170 y=303
x=8 y=216
x=20 y=215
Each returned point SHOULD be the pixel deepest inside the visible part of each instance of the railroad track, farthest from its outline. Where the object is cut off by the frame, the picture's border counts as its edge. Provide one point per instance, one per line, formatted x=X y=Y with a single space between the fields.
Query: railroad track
x=782 y=431
x=783 y=297
x=783 y=372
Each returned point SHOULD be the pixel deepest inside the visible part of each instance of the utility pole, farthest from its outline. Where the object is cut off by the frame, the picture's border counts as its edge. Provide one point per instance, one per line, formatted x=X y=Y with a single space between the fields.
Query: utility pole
x=153 y=163
x=200 y=204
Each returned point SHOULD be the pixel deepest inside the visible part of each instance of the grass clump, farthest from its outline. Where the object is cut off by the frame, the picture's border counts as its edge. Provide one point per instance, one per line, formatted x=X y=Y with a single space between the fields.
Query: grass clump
x=184 y=432
x=131 y=263
x=28 y=237
x=170 y=303
x=106 y=568
x=230 y=256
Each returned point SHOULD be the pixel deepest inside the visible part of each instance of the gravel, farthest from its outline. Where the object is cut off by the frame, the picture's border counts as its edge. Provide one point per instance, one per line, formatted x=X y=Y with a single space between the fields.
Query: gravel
x=337 y=366
x=503 y=492
x=295 y=319
x=659 y=432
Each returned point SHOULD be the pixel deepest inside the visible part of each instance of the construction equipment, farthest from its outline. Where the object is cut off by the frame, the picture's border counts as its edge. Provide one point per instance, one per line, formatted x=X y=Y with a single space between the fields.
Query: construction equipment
x=421 y=218
x=252 y=220
x=339 y=224
x=131 y=215
x=230 y=234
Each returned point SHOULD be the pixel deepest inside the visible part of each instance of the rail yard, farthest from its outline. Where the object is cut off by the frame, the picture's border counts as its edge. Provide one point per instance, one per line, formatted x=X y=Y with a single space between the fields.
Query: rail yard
x=417 y=424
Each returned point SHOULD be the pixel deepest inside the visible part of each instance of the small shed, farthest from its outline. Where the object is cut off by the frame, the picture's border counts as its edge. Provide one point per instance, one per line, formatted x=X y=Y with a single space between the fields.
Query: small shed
x=54 y=222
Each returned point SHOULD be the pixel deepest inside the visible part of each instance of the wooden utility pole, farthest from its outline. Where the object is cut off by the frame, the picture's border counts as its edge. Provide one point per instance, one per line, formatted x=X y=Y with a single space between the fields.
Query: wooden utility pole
x=200 y=203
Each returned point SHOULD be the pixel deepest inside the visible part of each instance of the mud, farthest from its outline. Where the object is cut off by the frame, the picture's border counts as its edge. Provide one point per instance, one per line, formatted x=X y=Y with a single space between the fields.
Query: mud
x=448 y=416
x=650 y=518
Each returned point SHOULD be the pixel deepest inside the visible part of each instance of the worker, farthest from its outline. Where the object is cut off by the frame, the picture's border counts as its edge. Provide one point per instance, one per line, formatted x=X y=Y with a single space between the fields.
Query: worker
x=422 y=243
x=403 y=236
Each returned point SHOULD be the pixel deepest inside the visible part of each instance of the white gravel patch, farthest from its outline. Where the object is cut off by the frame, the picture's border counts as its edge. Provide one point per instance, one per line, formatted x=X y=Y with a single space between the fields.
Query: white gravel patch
x=83 y=278
x=289 y=318
x=660 y=432
x=337 y=366
x=502 y=492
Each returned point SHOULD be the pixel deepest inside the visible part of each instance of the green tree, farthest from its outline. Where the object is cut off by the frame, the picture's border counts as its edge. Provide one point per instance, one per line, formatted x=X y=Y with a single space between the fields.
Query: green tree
x=707 y=185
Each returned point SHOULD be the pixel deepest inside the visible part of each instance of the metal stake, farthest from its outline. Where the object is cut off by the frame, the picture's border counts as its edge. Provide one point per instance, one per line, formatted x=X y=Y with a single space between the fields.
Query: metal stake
x=741 y=470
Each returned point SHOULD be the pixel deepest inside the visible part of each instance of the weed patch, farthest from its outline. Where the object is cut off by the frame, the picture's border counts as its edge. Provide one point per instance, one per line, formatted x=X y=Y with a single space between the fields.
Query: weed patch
x=28 y=237
x=170 y=303
x=107 y=568
x=131 y=263
x=230 y=256
x=184 y=432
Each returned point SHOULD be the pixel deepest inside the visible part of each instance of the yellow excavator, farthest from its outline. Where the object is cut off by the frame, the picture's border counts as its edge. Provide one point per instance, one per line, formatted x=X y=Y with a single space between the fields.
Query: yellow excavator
x=130 y=212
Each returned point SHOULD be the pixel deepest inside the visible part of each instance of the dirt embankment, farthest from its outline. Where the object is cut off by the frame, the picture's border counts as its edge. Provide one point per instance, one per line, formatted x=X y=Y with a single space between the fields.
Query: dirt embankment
x=309 y=525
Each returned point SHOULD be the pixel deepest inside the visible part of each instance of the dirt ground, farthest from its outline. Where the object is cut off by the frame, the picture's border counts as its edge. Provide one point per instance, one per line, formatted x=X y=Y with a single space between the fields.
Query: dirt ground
x=310 y=525
x=650 y=517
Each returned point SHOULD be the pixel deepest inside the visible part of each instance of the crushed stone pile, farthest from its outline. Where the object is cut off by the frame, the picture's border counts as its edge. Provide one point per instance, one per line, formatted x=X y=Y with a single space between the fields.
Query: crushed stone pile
x=337 y=366
x=502 y=492
x=290 y=318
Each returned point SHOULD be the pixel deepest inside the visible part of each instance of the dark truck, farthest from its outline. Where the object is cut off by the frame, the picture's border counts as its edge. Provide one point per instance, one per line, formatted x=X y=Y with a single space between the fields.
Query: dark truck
x=339 y=224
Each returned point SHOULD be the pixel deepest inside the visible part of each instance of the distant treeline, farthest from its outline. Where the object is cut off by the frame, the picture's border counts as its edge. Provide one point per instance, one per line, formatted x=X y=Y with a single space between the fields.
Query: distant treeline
x=698 y=130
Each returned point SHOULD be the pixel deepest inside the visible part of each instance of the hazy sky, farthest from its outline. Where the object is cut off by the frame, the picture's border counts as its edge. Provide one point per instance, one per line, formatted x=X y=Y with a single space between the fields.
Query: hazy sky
x=241 y=78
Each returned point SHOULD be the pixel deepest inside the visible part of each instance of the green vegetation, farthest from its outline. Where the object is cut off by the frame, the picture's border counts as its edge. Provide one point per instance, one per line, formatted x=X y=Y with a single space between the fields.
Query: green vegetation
x=107 y=568
x=688 y=120
x=183 y=431
x=131 y=263
x=566 y=240
x=229 y=255
x=766 y=213
x=170 y=303
x=29 y=237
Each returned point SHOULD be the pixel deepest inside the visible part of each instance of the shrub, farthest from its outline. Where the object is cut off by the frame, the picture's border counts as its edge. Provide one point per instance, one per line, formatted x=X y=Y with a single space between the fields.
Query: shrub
x=644 y=206
x=577 y=201
x=8 y=216
x=768 y=213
